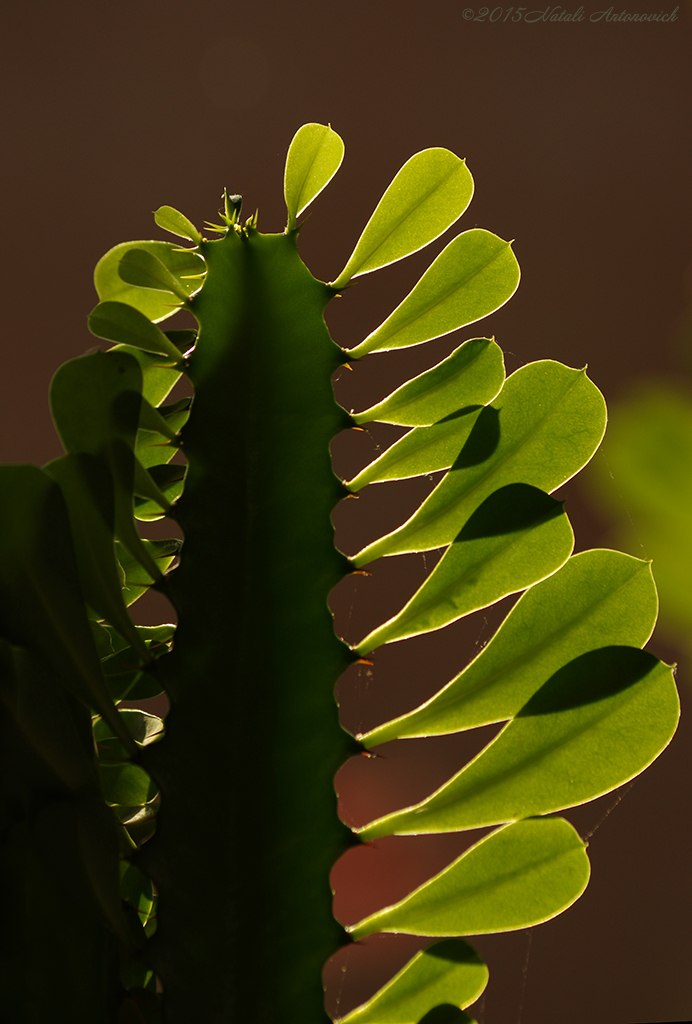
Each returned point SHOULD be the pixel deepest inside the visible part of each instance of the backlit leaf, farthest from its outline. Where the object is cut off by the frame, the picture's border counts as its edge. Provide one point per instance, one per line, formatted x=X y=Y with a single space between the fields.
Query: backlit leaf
x=518 y=536
x=314 y=157
x=137 y=890
x=184 y=264
x=472 y=375
x=429 y=193
x=518 y=876
x=126 y=785
x=145 y=270
x=597 y=723
x=125 y=325
x=170 y=219
x=137 y=579
x=471 y=278
x=597 y=599
x=545 y=424
x=448 y=972
x=125 y=678
x=159 y=373
x=424 y=450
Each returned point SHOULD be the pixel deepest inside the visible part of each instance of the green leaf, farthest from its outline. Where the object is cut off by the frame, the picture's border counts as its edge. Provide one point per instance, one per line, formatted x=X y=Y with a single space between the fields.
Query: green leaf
x=518 y=536
x=137 y=890
x=159 y=375
x=152 y=419
x=429 y=193
x=145 y=486
x=424 y=450
x=143 y=727
x=172 y=220
x=153 y=449
x=95 y=401
x=597 y=599
x=471 y=278
x=123 y=324
x=41 y=603
x=314 y=157
x=597 y=723
x=126 y=785
x=139 y=823
x=122 y=667
x=472 y=375
x=143 y=269
x=518 y=876
x=87 y=487
x=95 y=398
x=137 y=579
x=544 y=426
x=184 y=264
x=169 y=483
x=446 y=972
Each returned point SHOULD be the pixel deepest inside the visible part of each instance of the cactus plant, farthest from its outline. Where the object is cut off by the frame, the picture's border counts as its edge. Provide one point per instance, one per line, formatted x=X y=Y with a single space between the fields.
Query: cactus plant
x=184 y=876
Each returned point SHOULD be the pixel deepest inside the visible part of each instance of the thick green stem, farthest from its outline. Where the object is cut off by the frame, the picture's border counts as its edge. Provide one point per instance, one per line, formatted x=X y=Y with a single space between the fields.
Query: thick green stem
x=247 y=831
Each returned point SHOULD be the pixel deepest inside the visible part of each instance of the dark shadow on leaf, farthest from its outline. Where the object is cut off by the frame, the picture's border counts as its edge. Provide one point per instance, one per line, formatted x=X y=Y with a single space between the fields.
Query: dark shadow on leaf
x=455 y=950
x=510 y=509
x=466 y=411
x=482 y=441
x=445 y=1014
x=591 y=677
x=124 y=410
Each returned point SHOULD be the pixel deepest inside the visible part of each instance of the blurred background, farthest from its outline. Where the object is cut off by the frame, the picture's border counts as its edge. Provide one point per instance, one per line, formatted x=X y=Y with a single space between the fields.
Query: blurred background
x=578 y=134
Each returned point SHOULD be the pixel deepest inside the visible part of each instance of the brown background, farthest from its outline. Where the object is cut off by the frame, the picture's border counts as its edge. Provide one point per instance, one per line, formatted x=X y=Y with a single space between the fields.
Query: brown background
x=578 y=136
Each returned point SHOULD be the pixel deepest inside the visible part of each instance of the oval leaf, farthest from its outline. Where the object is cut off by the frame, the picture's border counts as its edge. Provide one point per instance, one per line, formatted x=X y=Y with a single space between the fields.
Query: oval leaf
x=126 y=785
x=472 y=375
x=518 y=876
x=137 y=890
x=596 y=724
x=143 y=269
x=448 y=972
x=429 y=193
x=314 y=157
x=177 y=223
x=137 y=579
x=143 y=727
x=518 y=536
x=123 y=324
x=546 y=423
x=597 y=599
x=187 y=266
x=475 y=275
x=159 y=375
x=422 y=450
